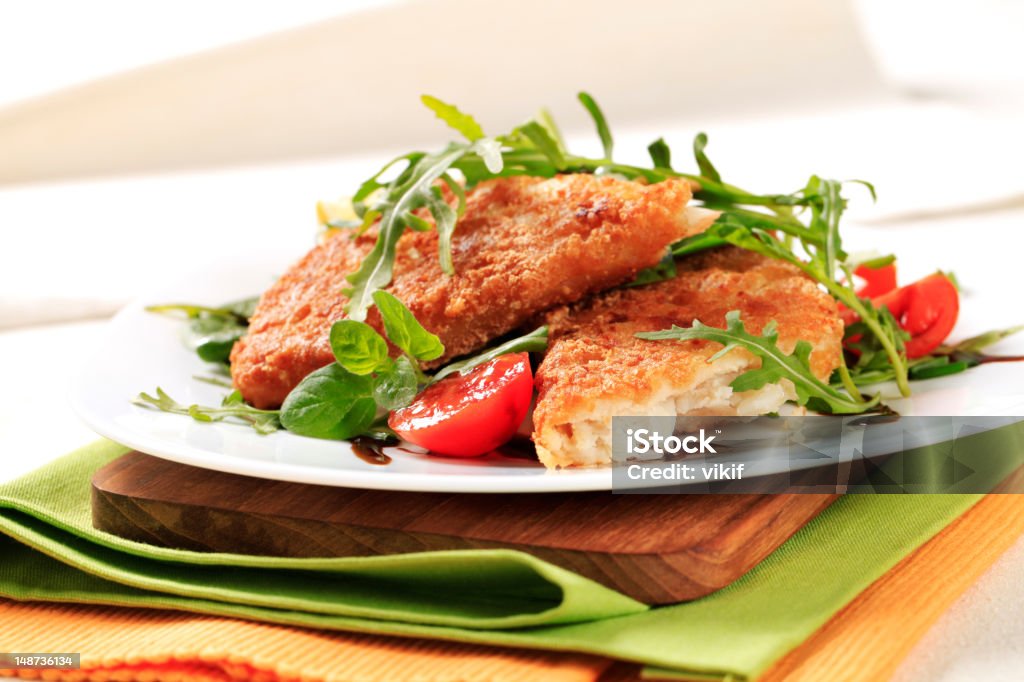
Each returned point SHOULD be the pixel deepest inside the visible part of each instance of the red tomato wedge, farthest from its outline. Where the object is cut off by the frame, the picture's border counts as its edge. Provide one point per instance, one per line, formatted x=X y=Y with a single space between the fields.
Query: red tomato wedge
x=467 y=416
x=877 y=281
x=926 y=309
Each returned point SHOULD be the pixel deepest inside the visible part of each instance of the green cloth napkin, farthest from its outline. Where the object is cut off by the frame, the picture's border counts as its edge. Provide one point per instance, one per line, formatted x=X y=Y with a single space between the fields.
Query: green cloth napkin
x=52 y=553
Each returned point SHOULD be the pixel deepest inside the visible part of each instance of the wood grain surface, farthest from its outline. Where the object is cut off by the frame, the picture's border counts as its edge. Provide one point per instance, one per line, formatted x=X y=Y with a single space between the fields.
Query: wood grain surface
x=655 y=548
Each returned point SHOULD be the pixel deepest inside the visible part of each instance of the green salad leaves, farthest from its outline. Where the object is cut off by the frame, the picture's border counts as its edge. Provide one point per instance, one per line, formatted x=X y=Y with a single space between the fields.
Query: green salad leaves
x=232 y=407
x=342 y=399
x=775 y=364
x=212 y=332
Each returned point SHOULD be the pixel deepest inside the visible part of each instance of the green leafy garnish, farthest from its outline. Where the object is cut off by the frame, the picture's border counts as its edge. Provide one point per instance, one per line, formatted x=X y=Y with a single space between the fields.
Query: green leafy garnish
x=233 y=407
x=357 y=347
x=934 y=367
x=775 y=364
x=872 y=261
x=450 y=114
x=542 y=140
x=342 y=400
x=944 y=361
x=823 y=257
x=535 y=341
x=330 y=403
x=703 y=163
x=212 y=331
x=404 y=330
x=397 y=385
x=535 y=149
x=603 y=131
x=412 y=190
x=982 y=341
x=661 y=154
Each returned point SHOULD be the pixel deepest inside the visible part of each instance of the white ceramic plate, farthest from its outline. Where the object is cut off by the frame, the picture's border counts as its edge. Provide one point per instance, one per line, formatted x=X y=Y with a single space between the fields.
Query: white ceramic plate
x=143 y=351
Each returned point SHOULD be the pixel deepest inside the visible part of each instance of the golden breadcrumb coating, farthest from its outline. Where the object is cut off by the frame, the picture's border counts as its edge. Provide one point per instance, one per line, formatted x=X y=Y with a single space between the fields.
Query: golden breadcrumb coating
x=523 y=246
x=596 y=368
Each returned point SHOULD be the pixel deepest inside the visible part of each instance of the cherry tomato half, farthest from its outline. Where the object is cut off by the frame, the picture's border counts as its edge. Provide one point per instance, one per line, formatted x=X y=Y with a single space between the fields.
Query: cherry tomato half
x=466 y=416
x=926 y=309
x=877 y=281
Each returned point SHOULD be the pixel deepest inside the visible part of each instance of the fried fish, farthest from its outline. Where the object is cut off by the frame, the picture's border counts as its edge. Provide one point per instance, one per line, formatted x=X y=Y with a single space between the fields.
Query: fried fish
x=524 y=245
x=595 y=367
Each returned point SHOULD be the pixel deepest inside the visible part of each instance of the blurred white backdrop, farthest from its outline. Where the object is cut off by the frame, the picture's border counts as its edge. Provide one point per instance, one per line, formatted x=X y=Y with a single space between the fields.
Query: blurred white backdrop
x=350 y=84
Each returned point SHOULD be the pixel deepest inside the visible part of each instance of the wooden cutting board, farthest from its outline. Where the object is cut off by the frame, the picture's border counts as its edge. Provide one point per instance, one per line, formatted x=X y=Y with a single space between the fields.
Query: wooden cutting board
x=658 y=549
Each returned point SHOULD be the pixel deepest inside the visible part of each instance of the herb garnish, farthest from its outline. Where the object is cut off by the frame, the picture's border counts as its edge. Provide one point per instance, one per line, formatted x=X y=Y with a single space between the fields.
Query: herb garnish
x=233 y=407
x=535 y=341
x=342 y=399
x=946 y=360
x=212 y=332
x=747 y=220
x=775 y=364
x=535 y=148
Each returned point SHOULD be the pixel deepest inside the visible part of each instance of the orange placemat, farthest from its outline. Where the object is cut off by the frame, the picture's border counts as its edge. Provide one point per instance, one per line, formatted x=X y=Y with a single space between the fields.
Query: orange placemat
x=872 y=635
x=865 y=641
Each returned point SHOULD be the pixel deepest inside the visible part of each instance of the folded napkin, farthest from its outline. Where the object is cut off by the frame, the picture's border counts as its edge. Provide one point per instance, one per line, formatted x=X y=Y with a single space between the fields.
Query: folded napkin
x=863 y=642
x=497 y=597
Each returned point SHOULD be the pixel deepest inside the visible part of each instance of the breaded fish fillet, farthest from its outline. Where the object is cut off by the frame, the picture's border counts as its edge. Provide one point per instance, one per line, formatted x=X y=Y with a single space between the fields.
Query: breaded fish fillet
x=524 y=245
x=595 y=368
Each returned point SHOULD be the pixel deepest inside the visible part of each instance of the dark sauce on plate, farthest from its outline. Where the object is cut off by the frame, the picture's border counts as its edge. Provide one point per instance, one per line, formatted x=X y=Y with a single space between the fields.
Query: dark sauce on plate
x=370 y=450
x=983 y=359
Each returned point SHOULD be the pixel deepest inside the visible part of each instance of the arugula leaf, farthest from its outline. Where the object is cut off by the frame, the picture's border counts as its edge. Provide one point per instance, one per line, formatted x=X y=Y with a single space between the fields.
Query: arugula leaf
x=871 y=261
x=982 y=341
x=544 y=142
x=212 y=331
x=330 y=403
x=445 y=217
x=535 y=149
x=396 y=386
x=489 y=151
x=661 y=155
x=545 y=119
x=599 y=121
x=933 y=367
x=213 y=337
x=457 y=120
x=775 y=364
x=404 y=330
x=233 y=407
x=820 y=240
x=243 y=308
x=535 y=341
x=703 y=163
x=825 y=214
x=191 y=310
x=411 y=190
x=358 y=347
